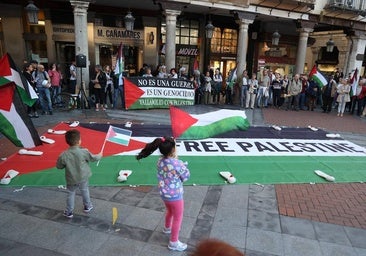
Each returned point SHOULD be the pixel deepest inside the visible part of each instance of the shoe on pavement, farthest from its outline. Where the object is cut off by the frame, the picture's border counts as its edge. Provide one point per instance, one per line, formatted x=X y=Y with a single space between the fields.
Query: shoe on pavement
x=177 y=246
x=88 y=209
x=167 y=230
x=68 y=215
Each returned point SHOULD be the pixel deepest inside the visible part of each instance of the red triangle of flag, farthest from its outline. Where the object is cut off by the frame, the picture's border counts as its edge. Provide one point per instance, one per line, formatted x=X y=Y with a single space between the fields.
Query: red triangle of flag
x=6 y=92
x=180 y=121
x=5 y=66
x=132 y=93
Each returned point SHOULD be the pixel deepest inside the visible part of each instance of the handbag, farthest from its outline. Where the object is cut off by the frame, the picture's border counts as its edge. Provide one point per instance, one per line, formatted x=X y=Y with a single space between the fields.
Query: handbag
x=46 y=84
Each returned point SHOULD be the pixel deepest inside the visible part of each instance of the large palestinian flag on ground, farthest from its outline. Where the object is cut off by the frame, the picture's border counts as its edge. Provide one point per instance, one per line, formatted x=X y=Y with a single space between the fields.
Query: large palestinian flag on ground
x=257 y=155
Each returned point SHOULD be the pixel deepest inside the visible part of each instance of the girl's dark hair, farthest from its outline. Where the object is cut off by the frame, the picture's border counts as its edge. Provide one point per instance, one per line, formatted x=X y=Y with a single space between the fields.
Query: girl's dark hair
x=165 y=145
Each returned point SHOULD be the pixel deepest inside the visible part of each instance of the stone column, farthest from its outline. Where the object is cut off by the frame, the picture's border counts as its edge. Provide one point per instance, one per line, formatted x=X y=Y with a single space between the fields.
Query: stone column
x=243 y=19
x=80 y=9
x=171 y=24
x=358 y=44
x=301 y=49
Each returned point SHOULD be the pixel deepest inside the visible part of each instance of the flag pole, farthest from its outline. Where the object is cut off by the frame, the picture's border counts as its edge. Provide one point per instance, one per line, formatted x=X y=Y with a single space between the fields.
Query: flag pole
x=105 y=140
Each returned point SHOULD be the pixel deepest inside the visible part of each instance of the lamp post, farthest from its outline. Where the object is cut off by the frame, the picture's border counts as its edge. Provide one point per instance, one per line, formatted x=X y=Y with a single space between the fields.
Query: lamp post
x=330 y=45
x=275 y=38
x=209 y=34
x=32 y=12
x=129 y=21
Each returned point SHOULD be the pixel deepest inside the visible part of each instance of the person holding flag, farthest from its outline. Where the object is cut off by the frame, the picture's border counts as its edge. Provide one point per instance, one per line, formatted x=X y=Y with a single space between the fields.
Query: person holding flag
x=230 y=82
x=118 y=79
x=75 y=160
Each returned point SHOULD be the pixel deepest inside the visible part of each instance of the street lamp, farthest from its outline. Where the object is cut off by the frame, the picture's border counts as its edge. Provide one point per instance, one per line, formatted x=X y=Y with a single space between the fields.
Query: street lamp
x=209 y=30
x=275 y=38
x=129 y=21
x=330 y=45
x=32 y=12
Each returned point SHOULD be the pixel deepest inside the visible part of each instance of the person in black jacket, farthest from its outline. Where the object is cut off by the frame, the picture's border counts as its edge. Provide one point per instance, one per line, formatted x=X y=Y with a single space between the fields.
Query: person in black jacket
x=100 y=82
x=312 y=93
x=27 y=72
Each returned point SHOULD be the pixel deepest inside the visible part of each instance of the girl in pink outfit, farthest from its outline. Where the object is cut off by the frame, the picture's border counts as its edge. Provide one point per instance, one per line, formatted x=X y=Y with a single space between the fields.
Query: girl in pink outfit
x=171 y=173
x=56 y=77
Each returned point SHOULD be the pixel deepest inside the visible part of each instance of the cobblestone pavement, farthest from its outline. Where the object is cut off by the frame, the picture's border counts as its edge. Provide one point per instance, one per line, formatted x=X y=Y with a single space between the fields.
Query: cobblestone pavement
x=324 y=219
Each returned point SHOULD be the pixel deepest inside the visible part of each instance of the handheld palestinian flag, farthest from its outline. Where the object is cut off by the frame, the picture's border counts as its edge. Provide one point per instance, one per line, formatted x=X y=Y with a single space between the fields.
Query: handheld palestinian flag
x=15 y=91
x=317 y=77
x=118 y=135
x=354 y=83
x=120 y=64
x=186 y=126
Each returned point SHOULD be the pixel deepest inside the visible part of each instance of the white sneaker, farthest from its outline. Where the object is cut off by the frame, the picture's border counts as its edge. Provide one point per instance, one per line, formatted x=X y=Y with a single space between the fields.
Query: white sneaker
x=177 y=246
x=167 y=230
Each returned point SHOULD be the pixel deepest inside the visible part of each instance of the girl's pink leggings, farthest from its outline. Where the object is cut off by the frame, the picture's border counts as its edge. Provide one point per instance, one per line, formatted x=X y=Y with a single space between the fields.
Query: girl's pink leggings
x=173 y=217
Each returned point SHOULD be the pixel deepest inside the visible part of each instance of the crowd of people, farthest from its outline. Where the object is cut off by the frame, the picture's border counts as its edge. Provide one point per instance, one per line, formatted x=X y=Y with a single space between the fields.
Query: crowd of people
x=47 y=84
x=271 y=89
x=262 y=90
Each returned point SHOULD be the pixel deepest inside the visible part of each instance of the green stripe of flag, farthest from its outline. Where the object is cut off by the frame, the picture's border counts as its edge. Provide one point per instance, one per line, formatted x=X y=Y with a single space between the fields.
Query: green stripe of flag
x=217 y=122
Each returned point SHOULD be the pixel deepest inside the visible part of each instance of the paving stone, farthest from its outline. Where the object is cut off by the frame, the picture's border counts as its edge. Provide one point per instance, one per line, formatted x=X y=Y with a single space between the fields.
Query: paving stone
x=104 y=193
x=11 y=248
x=13 y=226
x=152 y=201
x=297 y=227
x=119 y=246
x=195 y=193
x=356 y=236
x=360 y=251
x=256 y=253
x=264 y=241
x=128 y=197
x=231 y=217
x=143 y=218
x=235 y=236
x=157 y=250
x=234 y=196
x=301 y=246
x=71 y=241
x=330 y=249
x=264 y=220
x=263 y=204
x=331 y=233
x=266 y=191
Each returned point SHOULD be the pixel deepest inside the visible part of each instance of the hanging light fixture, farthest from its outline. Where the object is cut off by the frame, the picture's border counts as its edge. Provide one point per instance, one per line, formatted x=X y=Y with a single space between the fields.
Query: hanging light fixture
x=330 y=45
x=32 y=12
x=209 y=30
x=275 y=38
x=129 y=21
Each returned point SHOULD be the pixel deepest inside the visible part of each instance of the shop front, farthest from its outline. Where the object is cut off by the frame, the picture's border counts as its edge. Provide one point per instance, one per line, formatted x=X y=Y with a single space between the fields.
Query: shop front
x=107 y=40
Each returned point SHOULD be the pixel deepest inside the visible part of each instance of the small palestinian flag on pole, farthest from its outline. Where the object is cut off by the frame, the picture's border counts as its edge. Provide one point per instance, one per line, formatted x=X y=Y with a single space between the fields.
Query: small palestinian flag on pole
x=15 y=91
x=317 y=77
x=187 y=126
x=119 y=135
